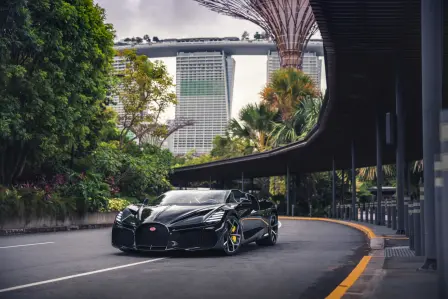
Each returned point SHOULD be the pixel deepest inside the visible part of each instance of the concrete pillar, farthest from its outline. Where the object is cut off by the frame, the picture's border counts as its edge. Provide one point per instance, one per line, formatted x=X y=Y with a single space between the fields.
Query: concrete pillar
x=333 y=203
x=441 y=184
x=422 y=218
x=400 y=142
x=432 y=69
x=288 y=189
x=406 y=213
x=354 y=212
x=394 y=214
x=389 y=212
x=410 y=228
x=379 y=167
x=417 y=229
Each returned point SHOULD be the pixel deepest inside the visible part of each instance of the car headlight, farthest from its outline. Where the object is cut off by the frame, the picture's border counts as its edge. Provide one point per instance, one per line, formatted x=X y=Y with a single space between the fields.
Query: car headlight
x=215 y=217
x=119 y=216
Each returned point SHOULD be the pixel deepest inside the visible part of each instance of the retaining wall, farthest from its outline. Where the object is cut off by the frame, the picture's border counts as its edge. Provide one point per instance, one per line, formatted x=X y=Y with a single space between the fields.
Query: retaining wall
x=44 y=224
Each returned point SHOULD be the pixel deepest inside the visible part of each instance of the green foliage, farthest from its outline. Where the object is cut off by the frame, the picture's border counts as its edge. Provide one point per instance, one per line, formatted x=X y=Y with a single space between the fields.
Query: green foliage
x=28 y=202
x=116 y=205
x=54 y=69
x=254 y=124
x=145 y=89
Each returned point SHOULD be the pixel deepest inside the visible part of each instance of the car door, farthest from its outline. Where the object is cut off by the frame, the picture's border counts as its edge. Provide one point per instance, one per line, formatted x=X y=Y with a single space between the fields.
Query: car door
x=251 y=220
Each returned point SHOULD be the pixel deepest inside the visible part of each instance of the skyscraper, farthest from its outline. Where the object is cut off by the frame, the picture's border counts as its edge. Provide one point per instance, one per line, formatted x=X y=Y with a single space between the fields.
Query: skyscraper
x=311 y=65
x=204 y=88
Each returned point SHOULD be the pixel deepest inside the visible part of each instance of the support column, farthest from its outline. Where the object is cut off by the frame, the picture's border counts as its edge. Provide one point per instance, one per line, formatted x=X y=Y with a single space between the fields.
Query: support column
x=333 y=203
x=442 y=206
x=354 y=212
x=432 y=68
x=400 y=152
x=379 y=168
x=288 y=192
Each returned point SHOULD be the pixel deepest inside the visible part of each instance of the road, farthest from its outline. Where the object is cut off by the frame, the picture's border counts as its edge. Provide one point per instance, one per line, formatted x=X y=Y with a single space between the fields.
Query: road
x=310 y=259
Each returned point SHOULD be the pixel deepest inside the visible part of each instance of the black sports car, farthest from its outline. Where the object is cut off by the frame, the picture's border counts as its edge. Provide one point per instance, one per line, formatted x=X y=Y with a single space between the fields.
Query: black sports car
x=196 y=220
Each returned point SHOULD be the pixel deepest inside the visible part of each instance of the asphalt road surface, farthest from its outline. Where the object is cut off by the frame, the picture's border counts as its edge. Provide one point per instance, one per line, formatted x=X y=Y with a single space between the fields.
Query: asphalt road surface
x=310 y=259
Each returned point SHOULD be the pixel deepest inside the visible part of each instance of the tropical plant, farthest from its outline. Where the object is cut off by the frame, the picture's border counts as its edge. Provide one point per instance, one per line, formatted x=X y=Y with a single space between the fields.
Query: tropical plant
x=287 y=88
x=254 y=124
x=299 y=125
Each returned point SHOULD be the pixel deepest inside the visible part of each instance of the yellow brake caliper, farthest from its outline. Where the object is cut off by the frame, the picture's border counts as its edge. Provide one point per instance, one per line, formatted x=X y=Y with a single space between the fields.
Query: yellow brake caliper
x=233 y=230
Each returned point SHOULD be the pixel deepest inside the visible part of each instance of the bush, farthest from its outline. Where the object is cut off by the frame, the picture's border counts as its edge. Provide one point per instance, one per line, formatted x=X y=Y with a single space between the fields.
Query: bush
x=29 y=201
x=116 y=205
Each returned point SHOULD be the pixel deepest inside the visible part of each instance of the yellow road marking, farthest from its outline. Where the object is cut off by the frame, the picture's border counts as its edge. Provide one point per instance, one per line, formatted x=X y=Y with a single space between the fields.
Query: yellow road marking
x=370 y=234
x=342 y=288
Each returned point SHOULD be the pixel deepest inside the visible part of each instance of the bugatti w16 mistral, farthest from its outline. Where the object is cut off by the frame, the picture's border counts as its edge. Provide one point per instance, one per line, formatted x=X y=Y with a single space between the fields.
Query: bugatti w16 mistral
x=196 y=220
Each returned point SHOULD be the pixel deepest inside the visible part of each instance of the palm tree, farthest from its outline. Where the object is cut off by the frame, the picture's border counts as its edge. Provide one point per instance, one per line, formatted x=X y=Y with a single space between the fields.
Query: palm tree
x=254 y=124
x=369 y=173
x=288 y=88
x=300 y=124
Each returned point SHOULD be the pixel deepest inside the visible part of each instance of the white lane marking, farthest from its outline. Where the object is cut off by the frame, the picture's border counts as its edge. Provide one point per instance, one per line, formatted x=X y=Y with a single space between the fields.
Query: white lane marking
x=279 y=224
x=77 y=275
x=24 y=245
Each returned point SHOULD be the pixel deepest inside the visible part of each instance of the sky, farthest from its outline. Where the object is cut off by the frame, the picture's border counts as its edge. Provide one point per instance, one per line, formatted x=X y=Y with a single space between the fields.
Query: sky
x=185 y=19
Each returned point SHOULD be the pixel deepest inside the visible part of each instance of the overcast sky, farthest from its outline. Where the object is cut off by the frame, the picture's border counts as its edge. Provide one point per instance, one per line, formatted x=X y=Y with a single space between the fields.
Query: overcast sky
x=185 y=18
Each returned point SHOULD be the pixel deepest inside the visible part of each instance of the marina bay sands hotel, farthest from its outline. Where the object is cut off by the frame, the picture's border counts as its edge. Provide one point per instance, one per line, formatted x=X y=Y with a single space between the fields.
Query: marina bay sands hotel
x=205 y=79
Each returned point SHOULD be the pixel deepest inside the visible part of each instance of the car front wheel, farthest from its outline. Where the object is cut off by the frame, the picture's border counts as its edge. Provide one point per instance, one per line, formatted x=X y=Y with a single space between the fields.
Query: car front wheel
x=233 y=235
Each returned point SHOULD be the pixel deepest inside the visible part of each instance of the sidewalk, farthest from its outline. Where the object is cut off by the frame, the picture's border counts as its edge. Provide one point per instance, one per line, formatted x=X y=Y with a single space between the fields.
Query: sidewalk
x=392 y=272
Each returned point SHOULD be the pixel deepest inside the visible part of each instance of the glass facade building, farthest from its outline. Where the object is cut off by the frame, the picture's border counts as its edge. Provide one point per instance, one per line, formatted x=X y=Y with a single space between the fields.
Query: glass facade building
x=204 y=88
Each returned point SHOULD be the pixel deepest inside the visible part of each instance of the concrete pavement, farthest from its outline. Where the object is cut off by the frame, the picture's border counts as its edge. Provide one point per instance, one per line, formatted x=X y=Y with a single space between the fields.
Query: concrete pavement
x=309 y=261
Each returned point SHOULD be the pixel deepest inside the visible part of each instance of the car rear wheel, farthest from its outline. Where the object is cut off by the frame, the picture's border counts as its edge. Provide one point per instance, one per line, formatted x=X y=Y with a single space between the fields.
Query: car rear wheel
x=271 y=239
x=233 y=236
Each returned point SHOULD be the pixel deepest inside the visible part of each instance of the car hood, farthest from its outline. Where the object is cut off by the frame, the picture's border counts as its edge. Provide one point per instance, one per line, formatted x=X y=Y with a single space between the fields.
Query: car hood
x=173 y=213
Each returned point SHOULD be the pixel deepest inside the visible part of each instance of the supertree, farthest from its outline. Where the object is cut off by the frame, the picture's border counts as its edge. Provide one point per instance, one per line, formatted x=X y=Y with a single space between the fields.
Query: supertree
x=290 y=22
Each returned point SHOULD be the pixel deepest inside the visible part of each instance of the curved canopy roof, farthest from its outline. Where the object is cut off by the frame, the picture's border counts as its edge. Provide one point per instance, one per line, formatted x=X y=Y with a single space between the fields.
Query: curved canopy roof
x=366 y=43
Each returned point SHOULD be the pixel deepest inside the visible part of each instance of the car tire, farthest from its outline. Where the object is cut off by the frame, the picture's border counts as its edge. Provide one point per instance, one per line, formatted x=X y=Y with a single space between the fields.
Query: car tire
x=272 y=237
x=233 y=236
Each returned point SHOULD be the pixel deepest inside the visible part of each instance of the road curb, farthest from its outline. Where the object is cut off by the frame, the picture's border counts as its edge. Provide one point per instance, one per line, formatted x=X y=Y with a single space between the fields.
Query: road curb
x=35 y=230
x=370 y=279
x=369 y=271
x=375 y=242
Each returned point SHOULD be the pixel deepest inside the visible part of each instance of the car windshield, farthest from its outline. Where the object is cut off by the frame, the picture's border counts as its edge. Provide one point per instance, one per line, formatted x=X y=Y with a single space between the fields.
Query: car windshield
x=191 y=197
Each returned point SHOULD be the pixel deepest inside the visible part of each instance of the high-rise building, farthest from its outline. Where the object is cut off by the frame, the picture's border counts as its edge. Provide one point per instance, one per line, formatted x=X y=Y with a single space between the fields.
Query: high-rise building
x=204 y=88
x=311 y=65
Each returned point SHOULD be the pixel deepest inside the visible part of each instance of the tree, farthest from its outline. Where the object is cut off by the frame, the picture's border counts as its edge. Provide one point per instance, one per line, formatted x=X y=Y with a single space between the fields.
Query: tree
x=245 y=35
x=155 y=39
x=254 y=124
x=54 y=68
x=257 y=36
x=147 y=38
x=145 y=91
x=299 y=125
x=264 y=36
x=138 y=40
x=127 y=39
x=288 y=87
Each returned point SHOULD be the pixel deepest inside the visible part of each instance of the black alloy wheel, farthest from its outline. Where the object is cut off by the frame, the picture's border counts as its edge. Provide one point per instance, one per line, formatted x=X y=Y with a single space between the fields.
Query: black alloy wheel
x=233 y=235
